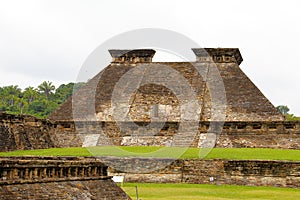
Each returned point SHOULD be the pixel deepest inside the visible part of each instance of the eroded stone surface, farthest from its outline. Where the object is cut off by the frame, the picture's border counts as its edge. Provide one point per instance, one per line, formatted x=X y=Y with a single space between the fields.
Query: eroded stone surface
x=56 y=178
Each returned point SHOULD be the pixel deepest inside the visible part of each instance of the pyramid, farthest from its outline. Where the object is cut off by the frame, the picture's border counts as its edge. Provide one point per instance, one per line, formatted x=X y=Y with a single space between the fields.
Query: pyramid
x=133 y=88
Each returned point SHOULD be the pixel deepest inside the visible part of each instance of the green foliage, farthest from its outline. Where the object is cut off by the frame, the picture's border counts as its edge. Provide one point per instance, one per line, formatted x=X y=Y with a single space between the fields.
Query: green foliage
x=291 y=117
x=39 y=102
x=42 y=107
x=30 y=94
x=63 y=92
x=46 y=88
x=283 y=109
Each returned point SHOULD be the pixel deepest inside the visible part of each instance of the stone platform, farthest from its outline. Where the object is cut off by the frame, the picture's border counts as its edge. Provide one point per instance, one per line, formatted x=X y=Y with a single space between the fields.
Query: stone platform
x=60 y=178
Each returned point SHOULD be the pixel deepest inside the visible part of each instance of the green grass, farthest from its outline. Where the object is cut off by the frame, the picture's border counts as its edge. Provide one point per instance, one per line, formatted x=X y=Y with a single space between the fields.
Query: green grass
x=170 y=152
x=72 y=151
x=150 y=191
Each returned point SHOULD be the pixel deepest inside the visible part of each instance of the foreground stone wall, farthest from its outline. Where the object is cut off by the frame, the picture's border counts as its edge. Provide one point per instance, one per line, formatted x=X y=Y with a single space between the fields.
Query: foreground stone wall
x=56 y=178
x=237 y=172
x=66 y=190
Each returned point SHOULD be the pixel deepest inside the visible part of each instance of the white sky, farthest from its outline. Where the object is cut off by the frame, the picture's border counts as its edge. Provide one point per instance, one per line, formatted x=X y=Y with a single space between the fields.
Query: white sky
x=49 y=40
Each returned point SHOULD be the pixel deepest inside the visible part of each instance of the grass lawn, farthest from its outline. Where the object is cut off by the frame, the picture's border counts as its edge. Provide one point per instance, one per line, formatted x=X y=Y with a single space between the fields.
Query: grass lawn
x=171 y=152
x=150 y=191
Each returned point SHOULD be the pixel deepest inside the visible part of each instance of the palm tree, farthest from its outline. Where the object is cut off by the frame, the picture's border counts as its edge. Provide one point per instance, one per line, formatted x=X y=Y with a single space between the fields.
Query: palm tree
x=21 y=104
x=46 y=88
x=30 y=94
x=11 y=93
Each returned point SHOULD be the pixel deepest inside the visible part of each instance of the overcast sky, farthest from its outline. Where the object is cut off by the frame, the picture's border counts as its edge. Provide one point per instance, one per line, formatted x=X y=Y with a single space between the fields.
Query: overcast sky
x=50 y=40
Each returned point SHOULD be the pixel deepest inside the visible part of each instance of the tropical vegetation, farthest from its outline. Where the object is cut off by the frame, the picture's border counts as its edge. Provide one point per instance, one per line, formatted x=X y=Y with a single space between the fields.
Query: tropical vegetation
x=39 y=101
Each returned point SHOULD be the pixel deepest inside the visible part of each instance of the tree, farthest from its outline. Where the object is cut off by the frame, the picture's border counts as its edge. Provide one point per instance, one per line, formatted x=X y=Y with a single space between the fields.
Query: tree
x=63 y=92
x=46 y=88
x=41 y=108
x=30 y=94
x=39 y=102
x=21 y=105
x=283 y=109
x=2 y=107
x=9 y=96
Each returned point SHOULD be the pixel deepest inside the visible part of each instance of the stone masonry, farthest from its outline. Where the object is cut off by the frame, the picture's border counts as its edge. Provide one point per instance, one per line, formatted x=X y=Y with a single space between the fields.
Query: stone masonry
x=26 y=132
x=236 y=172
x=244 y=101
x=153 y=94
x=282 y=134
x=56 y=178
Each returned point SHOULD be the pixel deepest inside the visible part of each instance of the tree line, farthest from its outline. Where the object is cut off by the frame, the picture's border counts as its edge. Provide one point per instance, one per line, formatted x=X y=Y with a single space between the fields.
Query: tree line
x=283 y=109
x=39 y=101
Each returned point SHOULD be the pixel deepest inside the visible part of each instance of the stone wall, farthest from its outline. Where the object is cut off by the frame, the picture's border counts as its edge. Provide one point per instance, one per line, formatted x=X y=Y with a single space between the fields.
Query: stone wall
x=282 y=134
x=24 y=132
x=237 y=172
x=66 y=190
x=56 y=178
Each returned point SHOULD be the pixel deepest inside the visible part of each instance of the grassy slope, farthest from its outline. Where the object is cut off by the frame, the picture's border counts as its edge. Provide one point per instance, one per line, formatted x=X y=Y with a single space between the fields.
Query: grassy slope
x=222 y=153
x=195 y=191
